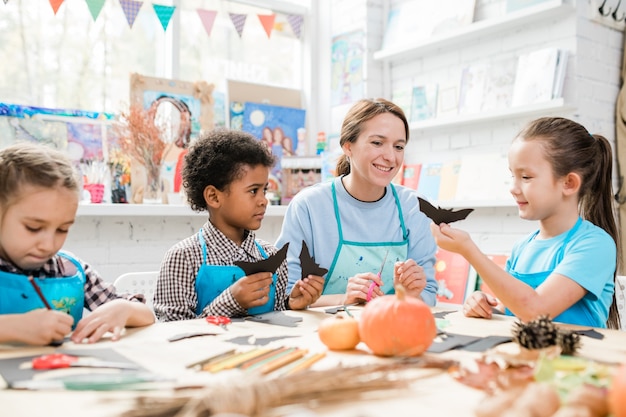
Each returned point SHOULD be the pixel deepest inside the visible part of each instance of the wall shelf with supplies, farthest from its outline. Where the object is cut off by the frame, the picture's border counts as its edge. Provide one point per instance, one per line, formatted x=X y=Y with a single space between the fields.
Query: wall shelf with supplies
x=164 y=210
x=474 y=31
x=526 y=111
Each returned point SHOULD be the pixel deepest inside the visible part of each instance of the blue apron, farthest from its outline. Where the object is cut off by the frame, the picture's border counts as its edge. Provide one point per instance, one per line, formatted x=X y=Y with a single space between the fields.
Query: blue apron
x=212 y=280
x=576 y=312
x=352 y=258
x=66 y=294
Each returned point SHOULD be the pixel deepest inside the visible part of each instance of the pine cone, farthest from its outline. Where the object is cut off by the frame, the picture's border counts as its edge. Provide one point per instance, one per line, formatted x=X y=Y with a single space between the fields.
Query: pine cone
x=536 y=334
x=569 y=341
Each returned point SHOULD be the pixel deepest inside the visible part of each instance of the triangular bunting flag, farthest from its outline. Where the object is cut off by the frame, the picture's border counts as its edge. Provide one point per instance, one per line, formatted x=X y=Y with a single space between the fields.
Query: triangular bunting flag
x=296 y=24
x=239 y=20
x=95 y=7
x=55 y=5
x=131 y=8
x=267 y=20
x=164 y=13
x=208 y=18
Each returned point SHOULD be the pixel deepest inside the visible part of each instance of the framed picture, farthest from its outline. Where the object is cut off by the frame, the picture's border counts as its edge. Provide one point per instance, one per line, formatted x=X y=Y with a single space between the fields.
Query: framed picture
x=181 y=110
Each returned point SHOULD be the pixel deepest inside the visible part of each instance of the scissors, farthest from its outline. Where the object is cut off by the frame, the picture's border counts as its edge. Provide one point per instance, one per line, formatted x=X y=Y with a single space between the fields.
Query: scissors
x=373 y=285
x=62 y=360
x=221 y=321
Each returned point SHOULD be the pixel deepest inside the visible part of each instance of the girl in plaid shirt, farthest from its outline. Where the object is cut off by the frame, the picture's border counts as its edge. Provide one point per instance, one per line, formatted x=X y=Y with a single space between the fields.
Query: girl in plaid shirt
x=39 y=195
x=226 y=172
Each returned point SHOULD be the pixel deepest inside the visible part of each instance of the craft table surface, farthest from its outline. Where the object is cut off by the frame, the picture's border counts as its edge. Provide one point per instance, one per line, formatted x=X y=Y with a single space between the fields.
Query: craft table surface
x=437 y=394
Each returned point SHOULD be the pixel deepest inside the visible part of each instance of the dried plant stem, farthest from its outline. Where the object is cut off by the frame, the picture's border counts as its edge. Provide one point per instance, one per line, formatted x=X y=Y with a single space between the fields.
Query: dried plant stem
x=252 y=396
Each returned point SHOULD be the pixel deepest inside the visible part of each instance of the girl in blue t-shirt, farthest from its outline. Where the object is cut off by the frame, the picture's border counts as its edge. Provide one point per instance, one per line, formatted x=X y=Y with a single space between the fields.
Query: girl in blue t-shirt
x=562 y=178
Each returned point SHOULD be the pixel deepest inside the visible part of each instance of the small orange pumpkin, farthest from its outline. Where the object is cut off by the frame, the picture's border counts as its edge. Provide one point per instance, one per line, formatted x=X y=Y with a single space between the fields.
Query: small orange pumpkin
x=396 y=325
x=339 y=333
x=617 y=392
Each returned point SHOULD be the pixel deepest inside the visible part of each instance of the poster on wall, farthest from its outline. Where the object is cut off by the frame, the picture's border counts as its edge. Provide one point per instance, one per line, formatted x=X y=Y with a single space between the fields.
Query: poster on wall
x=347 y=56
x=277 y=127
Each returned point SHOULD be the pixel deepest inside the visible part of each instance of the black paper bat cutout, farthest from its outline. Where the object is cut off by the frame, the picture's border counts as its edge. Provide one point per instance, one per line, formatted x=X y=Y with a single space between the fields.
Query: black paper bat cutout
x=270 y=264
x=440 y=215
x=308 y=264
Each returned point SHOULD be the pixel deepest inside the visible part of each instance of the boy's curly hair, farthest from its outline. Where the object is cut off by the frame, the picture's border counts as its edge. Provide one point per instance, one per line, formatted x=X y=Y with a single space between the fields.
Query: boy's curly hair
x=217 y=158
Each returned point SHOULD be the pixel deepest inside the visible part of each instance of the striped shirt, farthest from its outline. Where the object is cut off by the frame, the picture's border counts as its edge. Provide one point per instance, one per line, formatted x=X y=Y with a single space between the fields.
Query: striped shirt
x=175 y=297
x=97 y=291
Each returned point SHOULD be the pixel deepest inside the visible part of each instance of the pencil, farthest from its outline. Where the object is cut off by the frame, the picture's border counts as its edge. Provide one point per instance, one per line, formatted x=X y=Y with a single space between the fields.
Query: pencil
x=304 y=363
x=235 y=360
x=282 y=361
x=39 y=293
x=211 y=359
x=271 y=357
x=261 y=359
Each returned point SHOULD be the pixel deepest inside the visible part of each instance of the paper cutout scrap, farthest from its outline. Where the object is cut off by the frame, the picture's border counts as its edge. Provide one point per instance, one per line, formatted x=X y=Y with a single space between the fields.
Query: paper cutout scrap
x=275 y=317
x=440 y=215
x=270 y=264
x=308 y=264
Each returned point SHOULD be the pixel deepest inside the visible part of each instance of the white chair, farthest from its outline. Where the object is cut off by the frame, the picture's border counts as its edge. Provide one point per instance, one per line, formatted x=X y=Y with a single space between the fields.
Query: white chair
x=138 y=283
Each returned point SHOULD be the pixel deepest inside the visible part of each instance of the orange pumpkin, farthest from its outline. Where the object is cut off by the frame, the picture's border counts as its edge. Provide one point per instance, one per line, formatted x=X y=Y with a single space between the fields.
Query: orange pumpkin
x=617 y=392
x=339 y=333
x=396 y=325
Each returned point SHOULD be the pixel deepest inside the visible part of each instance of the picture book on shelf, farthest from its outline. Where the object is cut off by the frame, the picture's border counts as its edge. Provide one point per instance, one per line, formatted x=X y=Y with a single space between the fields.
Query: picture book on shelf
x=449 y=180
x=448 y=99
x=453 y=275
x=429 y=180
x=411 y=175
x=472 y=88
x=536 y=76
x=398 y=179
x=498 y=88
x=423 y=102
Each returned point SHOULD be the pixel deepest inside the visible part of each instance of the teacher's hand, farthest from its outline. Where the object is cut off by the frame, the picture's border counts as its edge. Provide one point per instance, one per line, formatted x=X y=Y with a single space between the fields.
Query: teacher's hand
x=411 y=276
x=362 y=288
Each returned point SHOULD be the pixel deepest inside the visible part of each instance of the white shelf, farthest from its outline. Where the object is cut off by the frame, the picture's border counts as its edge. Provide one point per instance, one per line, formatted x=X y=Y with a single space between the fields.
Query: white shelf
x=476 y=30
x=475 y=204
x=532 y=110
x=164 y=210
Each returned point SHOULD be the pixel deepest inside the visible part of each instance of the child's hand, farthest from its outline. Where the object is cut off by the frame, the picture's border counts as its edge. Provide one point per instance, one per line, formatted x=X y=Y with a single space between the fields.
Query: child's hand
x=305 y=292
x=108 y=317
x=42 y=327
x=448 y=238
x=252 y=290
x=481 y=305
x=360 y=285
x=411 y=276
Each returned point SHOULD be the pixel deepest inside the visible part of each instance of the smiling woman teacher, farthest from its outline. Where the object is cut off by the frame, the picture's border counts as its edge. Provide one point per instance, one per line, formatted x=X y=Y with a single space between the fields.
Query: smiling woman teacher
x=369 y=233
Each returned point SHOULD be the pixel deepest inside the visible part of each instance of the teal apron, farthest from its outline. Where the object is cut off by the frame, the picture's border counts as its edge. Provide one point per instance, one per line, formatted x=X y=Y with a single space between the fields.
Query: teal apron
x=576 y=312
x=66 y=294
x=352 y=258
x=212 y=280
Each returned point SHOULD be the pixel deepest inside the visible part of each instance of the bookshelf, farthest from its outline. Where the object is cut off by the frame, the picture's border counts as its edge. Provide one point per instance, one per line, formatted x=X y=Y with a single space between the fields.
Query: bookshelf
x=532 y=110
x=163 y=210
x=473 y=32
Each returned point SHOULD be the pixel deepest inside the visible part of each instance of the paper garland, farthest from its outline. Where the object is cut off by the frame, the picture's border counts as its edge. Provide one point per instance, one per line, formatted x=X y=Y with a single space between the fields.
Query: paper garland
x=164 y=13
x=131 y=8
x=95 y=7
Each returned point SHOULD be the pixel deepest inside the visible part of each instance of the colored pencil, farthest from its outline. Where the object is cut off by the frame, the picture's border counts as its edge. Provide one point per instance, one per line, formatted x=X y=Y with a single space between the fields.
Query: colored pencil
x=304 y=363
x=233 y=361
x=260 y=359
x=38 y=291
x=211 y=359
x=273 y=356
x=282 y=361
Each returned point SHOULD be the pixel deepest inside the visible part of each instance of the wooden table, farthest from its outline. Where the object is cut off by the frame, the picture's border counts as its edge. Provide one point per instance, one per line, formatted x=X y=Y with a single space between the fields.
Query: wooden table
x=438 y=394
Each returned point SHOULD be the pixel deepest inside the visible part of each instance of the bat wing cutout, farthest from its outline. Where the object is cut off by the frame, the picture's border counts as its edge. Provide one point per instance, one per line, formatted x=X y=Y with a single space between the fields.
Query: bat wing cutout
x=440 y=215
x=308 y=264
x=270 y=264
